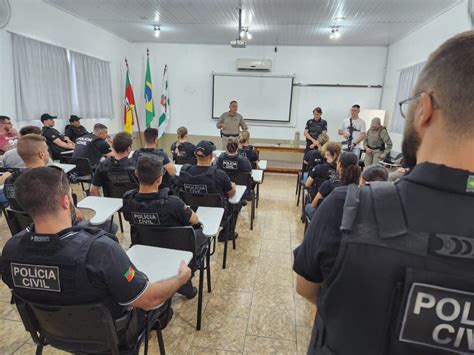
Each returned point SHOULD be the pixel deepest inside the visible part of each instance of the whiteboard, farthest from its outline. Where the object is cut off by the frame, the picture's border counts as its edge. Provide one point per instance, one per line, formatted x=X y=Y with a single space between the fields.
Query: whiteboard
x=261 y=97
x=336 y=103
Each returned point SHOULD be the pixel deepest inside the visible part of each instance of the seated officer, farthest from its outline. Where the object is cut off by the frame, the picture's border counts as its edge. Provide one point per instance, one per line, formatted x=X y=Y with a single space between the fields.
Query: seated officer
x=231 y=161
x=182 y=148
x=390 y=265
x=38 y=262
x=165 y=210
x=247 y=150
x=93 y=145
x=74 y=129
x=151 y=137
x=205 y=178
x=315 y=156
x=116 y=168
x=57 y=142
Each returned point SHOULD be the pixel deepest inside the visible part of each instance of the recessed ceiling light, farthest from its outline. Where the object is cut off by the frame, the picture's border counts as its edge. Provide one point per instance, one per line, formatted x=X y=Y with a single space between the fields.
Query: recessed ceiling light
x=339 y=18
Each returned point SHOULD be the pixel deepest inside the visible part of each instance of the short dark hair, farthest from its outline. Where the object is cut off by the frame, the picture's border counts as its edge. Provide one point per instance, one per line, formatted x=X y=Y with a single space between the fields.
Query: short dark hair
x=99 y=127
x=318 y=110
x=4 y=118
x=232 y=102
x=49 y=184
x=29 y=130
x=151 y=135
x=121 y=142
x=375 y=173
x=356 y=106
x=448 y=75
x=149 y=168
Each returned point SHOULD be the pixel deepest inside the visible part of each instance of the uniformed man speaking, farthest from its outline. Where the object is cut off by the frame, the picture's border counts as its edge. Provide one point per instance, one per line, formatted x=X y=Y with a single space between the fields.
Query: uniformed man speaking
x=55 y=263
x=390 y=265
x=230 y=123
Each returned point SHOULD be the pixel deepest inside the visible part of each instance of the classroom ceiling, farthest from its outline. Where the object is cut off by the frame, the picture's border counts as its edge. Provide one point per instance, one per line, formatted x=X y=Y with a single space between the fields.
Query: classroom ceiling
x=271 y=22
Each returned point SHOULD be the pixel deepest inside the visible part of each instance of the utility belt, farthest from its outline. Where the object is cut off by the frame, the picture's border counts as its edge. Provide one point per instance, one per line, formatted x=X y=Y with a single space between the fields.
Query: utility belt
x=381 y=148
x=229 y=135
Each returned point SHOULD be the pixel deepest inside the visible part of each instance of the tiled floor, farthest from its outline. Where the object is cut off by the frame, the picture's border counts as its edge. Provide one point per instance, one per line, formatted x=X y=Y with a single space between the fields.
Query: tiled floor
x=253 y=307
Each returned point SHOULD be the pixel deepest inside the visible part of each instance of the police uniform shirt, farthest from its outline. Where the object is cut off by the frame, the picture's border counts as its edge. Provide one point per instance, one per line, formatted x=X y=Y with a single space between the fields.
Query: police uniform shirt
x=51 y=134
x=108 y=268
x=175 y=214
x=327 y=187
x=248 y=152
x=74 y=132
x=315 y=257
x=155 y=151
x=315 y=128
x=100 y=175
x=185 y=149
x=232 y=124
x=101 y=147
x=222 y=181
x=233 y=163
x=313 y=158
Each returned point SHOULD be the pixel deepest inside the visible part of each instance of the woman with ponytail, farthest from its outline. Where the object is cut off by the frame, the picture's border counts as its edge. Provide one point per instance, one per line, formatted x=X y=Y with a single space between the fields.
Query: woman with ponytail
x=182 y=148
x=246 y=149
x=347 y=172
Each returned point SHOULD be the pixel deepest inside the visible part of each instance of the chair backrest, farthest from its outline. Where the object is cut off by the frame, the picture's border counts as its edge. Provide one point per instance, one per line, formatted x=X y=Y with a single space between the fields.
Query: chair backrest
x=87 y=328
x=185 y=160
x=204 y=200
x=17 y=220
x=254 y=164
x=242 y=179
x=178 y=238
x=83 y=165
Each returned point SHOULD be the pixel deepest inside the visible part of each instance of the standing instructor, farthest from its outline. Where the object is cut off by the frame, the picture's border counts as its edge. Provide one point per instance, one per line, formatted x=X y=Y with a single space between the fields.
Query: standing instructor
x=230 y=123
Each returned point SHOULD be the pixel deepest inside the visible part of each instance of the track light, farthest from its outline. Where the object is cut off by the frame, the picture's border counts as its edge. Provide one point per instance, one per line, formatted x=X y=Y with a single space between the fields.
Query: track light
x=335 y=34
x=249 y=36
x=156 y=29
x=244 y=33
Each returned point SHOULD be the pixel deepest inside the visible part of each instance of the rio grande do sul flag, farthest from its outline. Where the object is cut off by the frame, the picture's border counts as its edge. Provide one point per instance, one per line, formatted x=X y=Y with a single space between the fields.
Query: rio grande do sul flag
x=164 y=118
x=129 y=106
x=149 y=104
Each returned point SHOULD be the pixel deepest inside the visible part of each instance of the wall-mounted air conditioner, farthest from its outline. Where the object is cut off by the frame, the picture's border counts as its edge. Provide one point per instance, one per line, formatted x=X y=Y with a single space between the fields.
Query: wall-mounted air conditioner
x=254 y=64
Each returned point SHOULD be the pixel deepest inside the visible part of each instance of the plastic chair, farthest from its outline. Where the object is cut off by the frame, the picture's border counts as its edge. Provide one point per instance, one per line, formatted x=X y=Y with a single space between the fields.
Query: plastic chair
x=87 y=328
x=178 y=238
x=82 y=172
x=17 y=220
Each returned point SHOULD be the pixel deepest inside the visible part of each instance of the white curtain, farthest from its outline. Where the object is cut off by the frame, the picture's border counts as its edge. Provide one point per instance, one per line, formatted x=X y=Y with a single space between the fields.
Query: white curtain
x=42 y=81
x=91 y=87
x=406 y=83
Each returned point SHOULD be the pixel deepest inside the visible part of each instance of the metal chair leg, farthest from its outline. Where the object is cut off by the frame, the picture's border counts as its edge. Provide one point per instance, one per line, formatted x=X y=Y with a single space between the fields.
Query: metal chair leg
x=201 y=285
x=208 y=269
x=299 y=195
x=161 y=343
x=39 y=350
x=120 y=222
x=252 y=213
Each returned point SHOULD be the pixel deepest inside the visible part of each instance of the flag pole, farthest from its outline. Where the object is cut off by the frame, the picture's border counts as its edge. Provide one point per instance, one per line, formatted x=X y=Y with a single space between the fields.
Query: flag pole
x=135 y=109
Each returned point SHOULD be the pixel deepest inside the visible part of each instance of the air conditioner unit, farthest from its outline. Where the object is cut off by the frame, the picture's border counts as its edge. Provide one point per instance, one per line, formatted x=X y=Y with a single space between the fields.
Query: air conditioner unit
x=254 y=64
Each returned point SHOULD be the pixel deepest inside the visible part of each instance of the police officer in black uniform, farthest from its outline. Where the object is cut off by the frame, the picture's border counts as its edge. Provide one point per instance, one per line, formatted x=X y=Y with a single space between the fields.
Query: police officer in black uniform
x=205 y=178
x=57 y=142
x=151 y=137
x=117 y=168
x=182 y=148
x=74 y=129
x=390 y=265
x=314 y=127
x=150 y=207
x=93 y=146
x=54 y=263
x=231 y=161
x=247 y=150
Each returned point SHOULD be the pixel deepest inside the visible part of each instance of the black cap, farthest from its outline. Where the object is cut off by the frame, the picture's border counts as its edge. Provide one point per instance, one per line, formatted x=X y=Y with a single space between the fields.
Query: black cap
x=47 y=116
x=205 y=148
x=74 y=118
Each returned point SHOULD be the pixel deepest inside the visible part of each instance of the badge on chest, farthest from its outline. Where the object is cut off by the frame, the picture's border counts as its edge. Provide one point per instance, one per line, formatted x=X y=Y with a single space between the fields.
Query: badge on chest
x=36 y=277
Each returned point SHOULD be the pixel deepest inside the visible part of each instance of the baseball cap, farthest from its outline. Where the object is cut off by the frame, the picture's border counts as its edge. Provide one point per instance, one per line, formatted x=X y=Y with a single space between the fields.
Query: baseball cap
x=47 y=116
x=74 y=118
x=205 y=148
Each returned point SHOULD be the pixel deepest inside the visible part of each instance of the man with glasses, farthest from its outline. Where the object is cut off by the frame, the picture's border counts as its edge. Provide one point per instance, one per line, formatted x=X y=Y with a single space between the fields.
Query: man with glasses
x=8 y=135
x=54 y=262
x=57 y=142
x=403 y=252
x=353 y=130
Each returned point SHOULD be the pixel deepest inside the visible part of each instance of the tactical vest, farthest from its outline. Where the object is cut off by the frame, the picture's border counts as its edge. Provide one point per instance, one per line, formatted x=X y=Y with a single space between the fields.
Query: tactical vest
x=331 y=175
x=393 y=290
x=229 y=163
x=166 y=182
x=9 y=190
x=203 y=183
x=53 y=270
x=85 y=148
x=148 y=211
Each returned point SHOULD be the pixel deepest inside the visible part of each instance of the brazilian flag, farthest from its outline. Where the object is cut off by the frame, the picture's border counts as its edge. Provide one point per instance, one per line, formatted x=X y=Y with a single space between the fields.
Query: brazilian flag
x=149 y=105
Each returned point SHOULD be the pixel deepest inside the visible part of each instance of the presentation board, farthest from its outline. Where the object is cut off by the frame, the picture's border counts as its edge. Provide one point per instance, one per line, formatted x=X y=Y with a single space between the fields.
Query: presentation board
x=261 y=97
x=336 y=104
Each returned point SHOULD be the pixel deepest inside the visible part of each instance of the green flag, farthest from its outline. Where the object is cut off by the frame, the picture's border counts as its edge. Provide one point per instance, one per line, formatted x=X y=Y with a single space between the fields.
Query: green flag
x=149 y=106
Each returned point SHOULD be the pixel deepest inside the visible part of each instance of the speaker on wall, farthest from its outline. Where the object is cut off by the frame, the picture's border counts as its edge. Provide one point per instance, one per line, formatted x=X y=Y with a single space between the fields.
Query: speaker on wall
x=5 y=12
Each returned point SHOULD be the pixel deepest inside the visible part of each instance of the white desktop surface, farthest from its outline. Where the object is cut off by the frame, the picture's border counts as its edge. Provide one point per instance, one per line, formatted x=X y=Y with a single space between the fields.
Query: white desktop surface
x=211 y=218
x=67 y=152
x=158 y=263
x=178 y=168
x=104 y=207
x=217 y=153
x=66 y=167
x=238 y=194
x=257 y=175
x=262 y=164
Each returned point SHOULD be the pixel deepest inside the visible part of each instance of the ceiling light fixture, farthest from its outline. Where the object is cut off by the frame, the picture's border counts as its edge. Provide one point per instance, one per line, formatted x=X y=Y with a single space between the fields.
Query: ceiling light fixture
x=156 y=29
x=339 y=18
x=245 y=34
x=335 y=34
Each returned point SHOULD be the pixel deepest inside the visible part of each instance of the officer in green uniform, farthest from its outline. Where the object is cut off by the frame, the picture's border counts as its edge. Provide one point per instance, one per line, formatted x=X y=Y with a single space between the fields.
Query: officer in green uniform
x=377 y=143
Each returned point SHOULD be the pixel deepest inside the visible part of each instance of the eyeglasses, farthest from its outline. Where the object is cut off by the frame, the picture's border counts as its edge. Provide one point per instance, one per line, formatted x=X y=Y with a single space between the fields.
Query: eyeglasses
x=405 y=104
